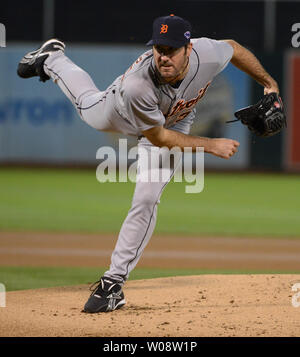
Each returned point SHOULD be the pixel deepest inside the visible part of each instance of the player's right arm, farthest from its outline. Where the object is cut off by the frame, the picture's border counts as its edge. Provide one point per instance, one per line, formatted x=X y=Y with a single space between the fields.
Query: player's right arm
x=162 y=137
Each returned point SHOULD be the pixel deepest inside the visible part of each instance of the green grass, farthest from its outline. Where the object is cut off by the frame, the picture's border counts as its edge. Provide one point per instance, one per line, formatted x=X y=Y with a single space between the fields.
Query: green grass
x=21 y=278
x=73 y=200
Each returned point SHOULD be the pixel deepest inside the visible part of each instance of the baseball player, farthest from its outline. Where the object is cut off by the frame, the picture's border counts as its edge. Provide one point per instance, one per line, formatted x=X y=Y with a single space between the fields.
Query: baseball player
x=155 y=101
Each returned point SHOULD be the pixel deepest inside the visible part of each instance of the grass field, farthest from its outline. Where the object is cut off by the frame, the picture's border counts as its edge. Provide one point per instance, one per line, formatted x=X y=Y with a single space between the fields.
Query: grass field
x=73 y=200
x=63 y=200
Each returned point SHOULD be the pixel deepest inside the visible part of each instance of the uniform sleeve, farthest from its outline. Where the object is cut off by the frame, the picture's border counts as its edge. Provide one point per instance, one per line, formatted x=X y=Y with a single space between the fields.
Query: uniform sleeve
x=224 y=53
x=213 y=51
x=142 y=107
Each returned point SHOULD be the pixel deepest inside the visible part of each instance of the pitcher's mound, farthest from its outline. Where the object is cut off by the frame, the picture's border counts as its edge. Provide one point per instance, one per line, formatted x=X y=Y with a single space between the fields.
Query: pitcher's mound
x=205 y=305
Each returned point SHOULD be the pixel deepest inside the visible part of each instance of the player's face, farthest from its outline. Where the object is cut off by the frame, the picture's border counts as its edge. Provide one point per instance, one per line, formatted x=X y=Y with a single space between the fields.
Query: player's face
x=171 y=61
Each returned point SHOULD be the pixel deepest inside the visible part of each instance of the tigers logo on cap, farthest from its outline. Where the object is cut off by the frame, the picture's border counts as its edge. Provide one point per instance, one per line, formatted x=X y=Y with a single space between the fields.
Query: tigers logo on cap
x=164 y=28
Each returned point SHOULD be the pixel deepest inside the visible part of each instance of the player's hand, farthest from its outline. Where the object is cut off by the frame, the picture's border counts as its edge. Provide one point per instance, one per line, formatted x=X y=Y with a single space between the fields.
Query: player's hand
x=224 y=148
x=272 y=87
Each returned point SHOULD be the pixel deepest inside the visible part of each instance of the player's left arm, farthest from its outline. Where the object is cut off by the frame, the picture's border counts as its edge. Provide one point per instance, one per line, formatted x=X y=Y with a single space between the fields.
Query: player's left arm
x=246 y=61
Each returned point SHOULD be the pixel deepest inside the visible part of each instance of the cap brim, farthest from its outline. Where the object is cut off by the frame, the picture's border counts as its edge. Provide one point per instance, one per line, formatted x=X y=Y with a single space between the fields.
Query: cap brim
x=167 y=42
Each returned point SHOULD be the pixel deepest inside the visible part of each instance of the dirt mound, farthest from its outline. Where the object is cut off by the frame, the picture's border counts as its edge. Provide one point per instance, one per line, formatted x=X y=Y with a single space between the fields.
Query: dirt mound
x=205 y=305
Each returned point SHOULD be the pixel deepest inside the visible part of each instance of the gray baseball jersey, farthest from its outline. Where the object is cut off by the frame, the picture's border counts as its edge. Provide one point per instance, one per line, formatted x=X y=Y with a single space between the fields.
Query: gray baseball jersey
x=145 y=103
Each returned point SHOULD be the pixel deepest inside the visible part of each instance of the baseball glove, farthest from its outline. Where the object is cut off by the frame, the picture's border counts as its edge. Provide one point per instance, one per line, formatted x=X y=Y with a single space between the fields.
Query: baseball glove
x=266 y=118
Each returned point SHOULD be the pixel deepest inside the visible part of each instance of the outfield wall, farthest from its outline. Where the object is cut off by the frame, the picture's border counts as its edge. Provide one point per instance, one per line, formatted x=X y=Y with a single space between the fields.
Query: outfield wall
x=39 y=125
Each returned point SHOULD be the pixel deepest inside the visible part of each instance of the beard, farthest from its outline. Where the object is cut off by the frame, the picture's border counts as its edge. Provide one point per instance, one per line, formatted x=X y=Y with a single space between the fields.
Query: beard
x=169 y=73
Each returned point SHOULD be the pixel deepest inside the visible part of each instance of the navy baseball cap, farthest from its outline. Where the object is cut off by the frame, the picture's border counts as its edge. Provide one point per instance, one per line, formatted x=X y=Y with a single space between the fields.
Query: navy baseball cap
x=171 y=31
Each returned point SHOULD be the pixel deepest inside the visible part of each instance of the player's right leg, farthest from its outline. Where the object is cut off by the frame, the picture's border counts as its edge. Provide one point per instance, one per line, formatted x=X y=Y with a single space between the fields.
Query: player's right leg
x=31 y=65
x=50 y=62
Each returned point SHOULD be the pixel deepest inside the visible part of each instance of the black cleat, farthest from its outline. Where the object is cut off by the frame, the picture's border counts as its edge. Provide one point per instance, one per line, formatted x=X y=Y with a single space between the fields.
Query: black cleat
x=31 y=65
x=107 y=296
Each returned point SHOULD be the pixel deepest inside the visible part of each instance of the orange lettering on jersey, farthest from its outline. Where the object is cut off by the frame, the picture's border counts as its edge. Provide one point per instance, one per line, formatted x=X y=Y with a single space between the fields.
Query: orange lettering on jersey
x=139 y=60
x=164 y=28
x=182 y=104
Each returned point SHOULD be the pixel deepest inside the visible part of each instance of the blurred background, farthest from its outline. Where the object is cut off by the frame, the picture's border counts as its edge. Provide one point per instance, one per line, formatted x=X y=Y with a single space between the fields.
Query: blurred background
x=38 y=125
x=45 y=147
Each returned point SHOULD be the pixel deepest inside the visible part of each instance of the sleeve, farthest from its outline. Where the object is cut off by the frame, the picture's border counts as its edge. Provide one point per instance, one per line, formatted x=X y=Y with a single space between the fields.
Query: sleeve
x=213 y=51
x=142 y=106
x=224 y=53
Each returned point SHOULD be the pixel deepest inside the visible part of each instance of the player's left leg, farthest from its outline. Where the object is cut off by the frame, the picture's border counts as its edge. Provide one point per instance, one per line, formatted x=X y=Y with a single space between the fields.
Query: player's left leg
x=138 y=227
x=156 y=167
